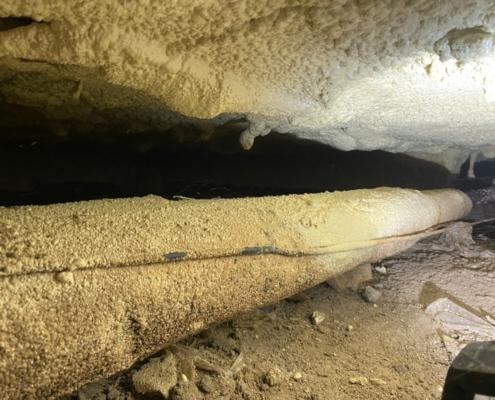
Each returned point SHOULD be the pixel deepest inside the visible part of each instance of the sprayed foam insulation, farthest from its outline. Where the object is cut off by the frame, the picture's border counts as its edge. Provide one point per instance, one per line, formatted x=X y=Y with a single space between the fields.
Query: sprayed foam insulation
x=115 y=281
x=412 y=76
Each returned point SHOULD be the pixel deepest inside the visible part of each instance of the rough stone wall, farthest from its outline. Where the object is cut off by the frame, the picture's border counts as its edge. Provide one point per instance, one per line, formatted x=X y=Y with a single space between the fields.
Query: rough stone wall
x=400 y=75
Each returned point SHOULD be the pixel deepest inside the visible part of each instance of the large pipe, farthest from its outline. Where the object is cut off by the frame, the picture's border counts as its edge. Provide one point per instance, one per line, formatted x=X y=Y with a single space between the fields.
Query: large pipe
x=88 y=288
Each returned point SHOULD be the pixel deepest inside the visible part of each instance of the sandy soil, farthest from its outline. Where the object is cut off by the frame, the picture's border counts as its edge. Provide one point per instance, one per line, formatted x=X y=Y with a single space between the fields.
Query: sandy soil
x=393 y=349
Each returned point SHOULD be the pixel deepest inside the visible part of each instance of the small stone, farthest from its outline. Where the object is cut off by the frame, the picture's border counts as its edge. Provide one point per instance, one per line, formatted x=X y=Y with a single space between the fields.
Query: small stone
x=65 y=277
x=274 y=377
x=297 y=376
x=159 y=375
x=349 y=328
x=317 y=317
x=458 y=234
x=358 y=380
x=377 y=381
x=381 y=270
x=371 y=295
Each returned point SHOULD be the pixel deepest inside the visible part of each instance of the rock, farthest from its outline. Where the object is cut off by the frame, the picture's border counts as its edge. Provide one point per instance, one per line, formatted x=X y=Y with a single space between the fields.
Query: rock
x=381 y=270
x=358 y=380
x=159 y=375
x=349 y=328
x=317 y=317
x=459 y=234
x=297 y=376
x=371 y=295
x=353 y=278
x=274 y=377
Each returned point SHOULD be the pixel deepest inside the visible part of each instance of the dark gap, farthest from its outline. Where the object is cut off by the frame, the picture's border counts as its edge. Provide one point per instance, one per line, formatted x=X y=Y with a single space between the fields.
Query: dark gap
x=484 y=172
x=9 y=23
x=93 y=167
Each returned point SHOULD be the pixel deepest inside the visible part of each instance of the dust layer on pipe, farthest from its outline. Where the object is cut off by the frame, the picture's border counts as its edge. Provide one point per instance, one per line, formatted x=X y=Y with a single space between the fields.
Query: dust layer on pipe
x=59 y=330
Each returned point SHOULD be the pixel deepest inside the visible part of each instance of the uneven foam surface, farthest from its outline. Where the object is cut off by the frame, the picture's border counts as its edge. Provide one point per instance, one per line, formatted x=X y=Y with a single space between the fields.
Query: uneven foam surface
x=408 y=76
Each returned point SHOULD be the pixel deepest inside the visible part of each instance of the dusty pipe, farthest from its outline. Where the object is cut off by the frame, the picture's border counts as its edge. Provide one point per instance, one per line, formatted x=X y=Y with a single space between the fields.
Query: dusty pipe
x=88 y=288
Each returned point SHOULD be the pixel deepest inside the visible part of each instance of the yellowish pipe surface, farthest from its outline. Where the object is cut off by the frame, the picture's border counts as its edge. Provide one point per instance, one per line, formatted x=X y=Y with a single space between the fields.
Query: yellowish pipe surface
x=88 y=288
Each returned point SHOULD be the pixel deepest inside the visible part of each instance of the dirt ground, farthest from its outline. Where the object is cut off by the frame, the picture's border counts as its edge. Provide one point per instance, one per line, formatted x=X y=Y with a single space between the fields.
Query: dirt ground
x=330 y=343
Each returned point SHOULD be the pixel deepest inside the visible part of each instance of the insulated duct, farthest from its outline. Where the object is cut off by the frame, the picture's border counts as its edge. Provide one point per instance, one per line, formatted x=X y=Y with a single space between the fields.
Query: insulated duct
x=89 y=288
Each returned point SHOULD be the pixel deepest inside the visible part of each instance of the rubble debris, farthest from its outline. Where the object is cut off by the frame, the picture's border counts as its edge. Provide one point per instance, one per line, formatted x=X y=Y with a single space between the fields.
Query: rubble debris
x=159 y=375
x=317 y=317
x=297 y=376
x=371 y=295
x=459 y=234
x=274 y=377
x=381 y=270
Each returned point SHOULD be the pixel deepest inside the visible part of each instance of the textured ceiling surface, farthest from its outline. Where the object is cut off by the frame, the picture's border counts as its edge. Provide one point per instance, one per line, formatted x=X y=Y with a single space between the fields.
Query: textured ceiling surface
x=413 y=76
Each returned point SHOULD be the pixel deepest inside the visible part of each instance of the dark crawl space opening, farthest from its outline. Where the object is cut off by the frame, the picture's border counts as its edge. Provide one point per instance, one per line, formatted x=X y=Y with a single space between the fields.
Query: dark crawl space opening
x=86 y=167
